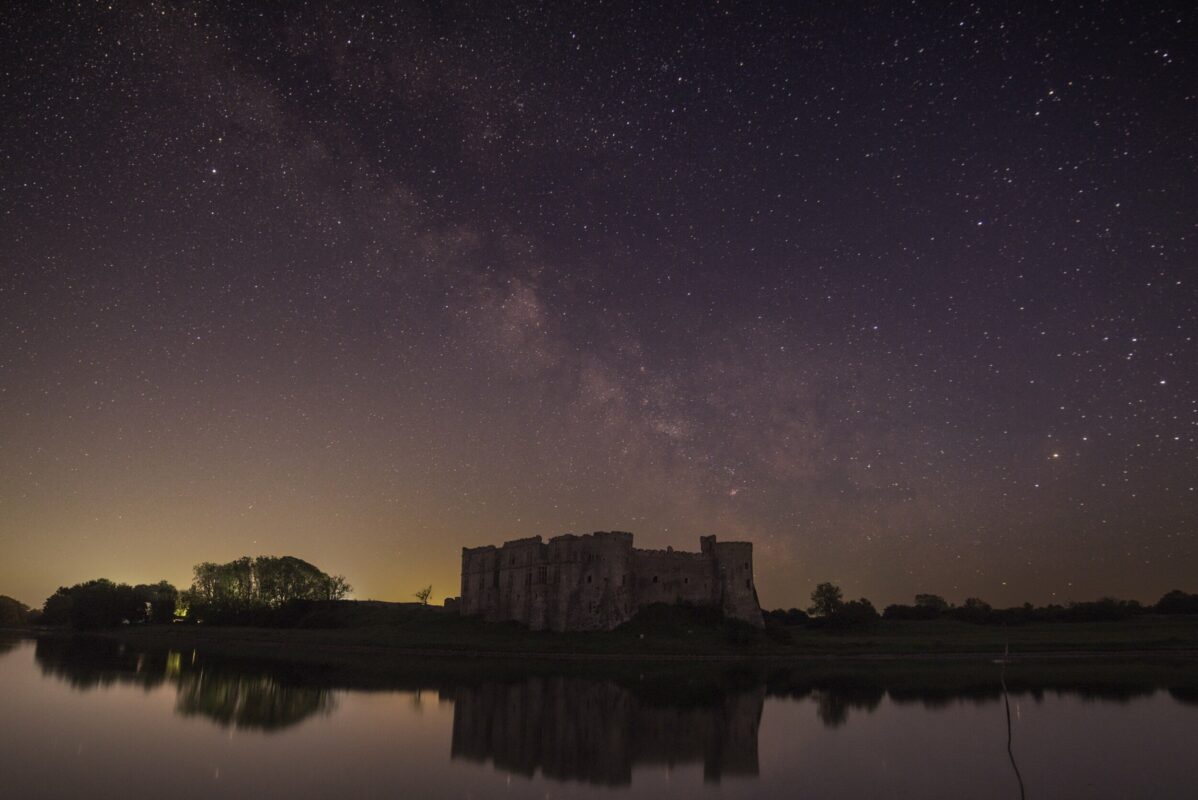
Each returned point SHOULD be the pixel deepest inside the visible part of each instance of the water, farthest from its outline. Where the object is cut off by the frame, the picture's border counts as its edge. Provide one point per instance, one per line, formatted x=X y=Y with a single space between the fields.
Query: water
x=91 y=718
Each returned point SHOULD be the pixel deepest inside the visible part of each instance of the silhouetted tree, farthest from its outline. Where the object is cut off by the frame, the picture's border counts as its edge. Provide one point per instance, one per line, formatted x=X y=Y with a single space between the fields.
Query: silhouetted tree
x=933 y=603
x=974 y=610
x=244 y=589
x=826 y=599
x=98 y=603
x=1177 y=602
x=57 y=608
x=162 y=599
x=854 y=612
x=1102 y=610
x=423 y=595
x=789 y=616
x=927 y=606
x=13 y=613
x=898 y=611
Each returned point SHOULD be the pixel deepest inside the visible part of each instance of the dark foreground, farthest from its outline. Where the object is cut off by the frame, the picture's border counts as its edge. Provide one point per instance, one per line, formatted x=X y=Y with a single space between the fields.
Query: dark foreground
x=368 y=629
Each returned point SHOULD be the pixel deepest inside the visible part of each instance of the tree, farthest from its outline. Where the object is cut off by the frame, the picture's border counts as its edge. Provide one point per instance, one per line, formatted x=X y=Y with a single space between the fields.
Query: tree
x=933 y=603
x=244 y=588
x=1177 y=602
x=13 y=613
x=855 y=612
x=280 y=580
x=423 y=595
x=902 y=612
x=57 y=608
x=976 y=604
x=161 y=599
x=338 y=587
x=98 y=603
x=974 y=610
x=785 y=616
x=826 y=600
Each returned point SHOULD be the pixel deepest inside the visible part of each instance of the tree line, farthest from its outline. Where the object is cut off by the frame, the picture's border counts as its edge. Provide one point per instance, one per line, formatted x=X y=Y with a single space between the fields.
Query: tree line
x=243 y=591
x=829 y=609
x=266 y=582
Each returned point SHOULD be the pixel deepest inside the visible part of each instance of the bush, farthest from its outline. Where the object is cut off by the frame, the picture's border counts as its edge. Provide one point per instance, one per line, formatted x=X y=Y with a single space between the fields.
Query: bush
x=1177 y=602
x=852 y=614
x=901 y=612
x=790 y=616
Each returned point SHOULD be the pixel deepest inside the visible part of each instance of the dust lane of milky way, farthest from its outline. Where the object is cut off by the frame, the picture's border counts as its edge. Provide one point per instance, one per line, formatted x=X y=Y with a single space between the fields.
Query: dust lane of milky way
x=902 y=294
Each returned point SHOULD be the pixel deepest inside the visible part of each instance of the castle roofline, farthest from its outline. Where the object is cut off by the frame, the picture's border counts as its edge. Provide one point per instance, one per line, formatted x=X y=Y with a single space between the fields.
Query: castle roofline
x=525 y=540
x=574 y=537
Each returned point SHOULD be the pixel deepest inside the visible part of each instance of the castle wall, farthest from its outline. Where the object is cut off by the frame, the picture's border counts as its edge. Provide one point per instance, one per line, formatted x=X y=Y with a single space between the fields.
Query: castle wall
x=598 y=581
x=480 y=581
x=522 y=582
x=666 y=576
x=591 y=581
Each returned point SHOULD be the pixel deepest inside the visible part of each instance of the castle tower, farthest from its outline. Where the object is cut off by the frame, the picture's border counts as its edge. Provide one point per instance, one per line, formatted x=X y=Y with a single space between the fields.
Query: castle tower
x=734 y=572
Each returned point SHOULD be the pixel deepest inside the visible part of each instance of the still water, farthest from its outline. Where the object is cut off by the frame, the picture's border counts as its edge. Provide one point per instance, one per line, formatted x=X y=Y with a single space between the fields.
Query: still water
x=91 y=718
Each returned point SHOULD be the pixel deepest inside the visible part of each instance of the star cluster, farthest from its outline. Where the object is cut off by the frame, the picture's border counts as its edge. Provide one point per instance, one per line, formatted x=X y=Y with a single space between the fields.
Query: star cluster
x=903 y=293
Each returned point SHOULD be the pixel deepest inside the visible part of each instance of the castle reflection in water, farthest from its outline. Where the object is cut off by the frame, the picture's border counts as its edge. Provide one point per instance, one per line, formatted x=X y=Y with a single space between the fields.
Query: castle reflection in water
x=596 y=731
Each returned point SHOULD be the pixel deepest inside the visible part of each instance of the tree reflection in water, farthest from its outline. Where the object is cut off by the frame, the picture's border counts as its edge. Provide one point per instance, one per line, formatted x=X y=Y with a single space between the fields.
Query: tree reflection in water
x=245 y=696
x=8 y=642
x=248 y=702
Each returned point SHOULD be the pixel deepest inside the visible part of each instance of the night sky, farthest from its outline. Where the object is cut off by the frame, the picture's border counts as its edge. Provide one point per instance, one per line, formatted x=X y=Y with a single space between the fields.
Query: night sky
x=905 y=294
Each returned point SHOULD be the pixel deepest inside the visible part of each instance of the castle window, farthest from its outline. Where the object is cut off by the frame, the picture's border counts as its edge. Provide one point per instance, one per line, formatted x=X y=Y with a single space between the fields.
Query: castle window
x=686 y=580
x=542 y=574
x=588 y=578
x=747 y=586
x=746 y=565
x=623 y=579
x=655 y=579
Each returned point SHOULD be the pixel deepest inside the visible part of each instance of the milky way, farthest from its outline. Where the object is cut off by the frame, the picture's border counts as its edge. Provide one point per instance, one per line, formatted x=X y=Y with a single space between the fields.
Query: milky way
x=904 y=294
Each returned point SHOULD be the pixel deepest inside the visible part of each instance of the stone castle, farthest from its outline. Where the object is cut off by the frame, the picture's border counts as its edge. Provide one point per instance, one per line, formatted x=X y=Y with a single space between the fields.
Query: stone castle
x=599 y=580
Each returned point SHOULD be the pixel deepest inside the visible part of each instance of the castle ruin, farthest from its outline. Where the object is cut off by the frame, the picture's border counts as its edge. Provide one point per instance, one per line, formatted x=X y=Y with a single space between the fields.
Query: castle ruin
x=599 y=580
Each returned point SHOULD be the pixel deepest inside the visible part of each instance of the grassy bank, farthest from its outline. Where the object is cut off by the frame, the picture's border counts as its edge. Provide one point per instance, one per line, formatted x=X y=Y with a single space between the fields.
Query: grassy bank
x=668 y=633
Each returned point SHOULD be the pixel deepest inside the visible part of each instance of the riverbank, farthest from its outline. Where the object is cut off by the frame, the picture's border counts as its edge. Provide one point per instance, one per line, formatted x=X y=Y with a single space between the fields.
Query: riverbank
x=389 y=630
